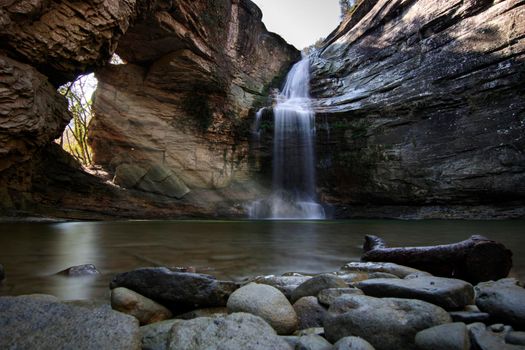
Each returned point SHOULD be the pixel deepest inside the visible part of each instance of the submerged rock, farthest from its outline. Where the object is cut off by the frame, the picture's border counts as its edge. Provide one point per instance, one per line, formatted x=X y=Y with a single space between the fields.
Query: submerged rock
x=30 y=322
x=309 y=312
x=235 y=331
x=266 y=302
x=450 y=336
x=313 y=286
x=504 y=300
x=80 y=271
x=178 y=291
x=446 y=292
x=387 y=323
x=145 y=310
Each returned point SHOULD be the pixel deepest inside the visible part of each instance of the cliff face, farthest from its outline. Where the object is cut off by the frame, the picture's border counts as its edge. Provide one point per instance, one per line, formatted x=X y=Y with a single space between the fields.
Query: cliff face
x=421 y=110
x=194 y=73
x=171 y=124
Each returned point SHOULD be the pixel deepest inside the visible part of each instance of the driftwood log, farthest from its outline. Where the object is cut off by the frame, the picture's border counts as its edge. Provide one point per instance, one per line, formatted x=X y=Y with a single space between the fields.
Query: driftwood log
x=474 y=260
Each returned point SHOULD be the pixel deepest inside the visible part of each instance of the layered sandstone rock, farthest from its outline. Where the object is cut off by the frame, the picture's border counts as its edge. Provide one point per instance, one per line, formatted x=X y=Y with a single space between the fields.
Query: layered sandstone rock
x=421 y=110
x=194 y=73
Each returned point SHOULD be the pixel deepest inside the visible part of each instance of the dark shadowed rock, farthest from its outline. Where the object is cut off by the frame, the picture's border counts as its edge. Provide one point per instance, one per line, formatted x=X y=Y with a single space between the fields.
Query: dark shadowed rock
x=352 y=343
x=327 y=296
x=266 y=302
x=387 y=323
x=484 y=338
x=515 y=338
x=313 y=286
x=469 y=316
x=235 y=331
x=206 y=312
x=179 y=291
x=504 y=300
x=80 y=271
x=309 y=312
x=145 y=310
x=31 y=322
x=446 y=292
x=450 y=336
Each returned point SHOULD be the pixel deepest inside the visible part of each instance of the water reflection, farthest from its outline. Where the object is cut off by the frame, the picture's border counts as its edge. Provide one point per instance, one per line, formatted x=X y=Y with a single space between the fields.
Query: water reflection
x=33 y=253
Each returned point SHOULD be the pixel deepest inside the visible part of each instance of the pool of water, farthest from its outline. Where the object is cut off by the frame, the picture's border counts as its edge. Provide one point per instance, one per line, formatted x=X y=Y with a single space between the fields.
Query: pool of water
x=32 y=253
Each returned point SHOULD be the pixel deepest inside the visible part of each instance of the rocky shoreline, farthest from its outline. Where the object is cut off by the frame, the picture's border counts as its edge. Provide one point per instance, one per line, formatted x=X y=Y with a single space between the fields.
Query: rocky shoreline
x=361 y=306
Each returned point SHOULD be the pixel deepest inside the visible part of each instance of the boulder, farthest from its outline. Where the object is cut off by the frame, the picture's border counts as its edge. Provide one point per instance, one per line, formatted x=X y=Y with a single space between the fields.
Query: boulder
x=80 y=271
x=515 y=338
x=446 y=292
x=145 y=310
x=235 y=331
x=309 y=312
x=179 y=291
x=286 y=284
x=391 y=268
x=327 y=296
x=449 y=336
x=352 y=343
x=387 y=323
x=162 y=180
x=266 y=302
x=504 y=300
x=30 y=322
x=155 y=336
x=313 y=286
x=206 y=312
x=312 y=342
x=128 y=175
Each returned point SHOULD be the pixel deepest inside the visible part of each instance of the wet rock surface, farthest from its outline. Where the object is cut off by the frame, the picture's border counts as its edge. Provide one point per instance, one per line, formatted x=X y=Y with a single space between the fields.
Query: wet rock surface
x=313 y=286
x=80 y=271
x=310 y=312
x=446 y=292
x=450 y=336
x=30 y=320
x=328 y=296
x=143 y=309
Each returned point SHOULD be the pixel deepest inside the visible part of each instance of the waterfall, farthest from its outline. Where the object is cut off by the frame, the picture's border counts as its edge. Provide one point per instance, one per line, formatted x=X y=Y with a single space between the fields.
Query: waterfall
x=293 y=184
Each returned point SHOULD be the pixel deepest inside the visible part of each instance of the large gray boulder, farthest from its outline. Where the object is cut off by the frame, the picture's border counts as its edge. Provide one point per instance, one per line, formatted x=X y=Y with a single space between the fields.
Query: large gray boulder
x=266 y=302
x=449 y=336
x=309 y=312
x=144 y=309
x=179 y=291
x=40 y=322
x=235 y=331
x=313 y=286
x=504 y=300
x=387 y=323
x=446 y=292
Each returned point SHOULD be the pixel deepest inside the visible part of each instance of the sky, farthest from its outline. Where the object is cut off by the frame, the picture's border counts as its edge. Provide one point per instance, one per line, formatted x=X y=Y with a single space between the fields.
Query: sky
x=300 y=22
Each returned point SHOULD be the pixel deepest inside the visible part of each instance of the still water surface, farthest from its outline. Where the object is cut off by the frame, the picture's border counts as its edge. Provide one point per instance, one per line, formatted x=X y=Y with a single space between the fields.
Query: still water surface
x=32 y=253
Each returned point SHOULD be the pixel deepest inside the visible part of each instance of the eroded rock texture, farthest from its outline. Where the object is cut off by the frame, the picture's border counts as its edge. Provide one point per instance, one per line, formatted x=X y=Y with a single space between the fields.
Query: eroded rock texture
x=194 y=73
x=422 y=109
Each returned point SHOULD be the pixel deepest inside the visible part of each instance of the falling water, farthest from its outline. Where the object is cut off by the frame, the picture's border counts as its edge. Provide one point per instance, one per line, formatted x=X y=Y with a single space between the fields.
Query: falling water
x=293 y=189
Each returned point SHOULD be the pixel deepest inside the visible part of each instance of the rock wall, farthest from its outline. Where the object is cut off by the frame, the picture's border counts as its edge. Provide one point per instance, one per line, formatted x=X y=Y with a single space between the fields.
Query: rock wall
x=171 y=124
x=421 y=110
x=194 y=73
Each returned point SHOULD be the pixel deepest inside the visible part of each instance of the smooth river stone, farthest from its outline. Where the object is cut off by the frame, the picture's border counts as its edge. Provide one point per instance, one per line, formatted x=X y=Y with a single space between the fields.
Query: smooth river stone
x=144 y=309
x=450 y=336
x=386 y=323
x=42 y=322
x=327 y=296
x=235 y=331
x=313 y=286
x=266 y=302
x=504 y=300
x=179 y=291
x=286 y=284
x=445 y=292
x=309 y=312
